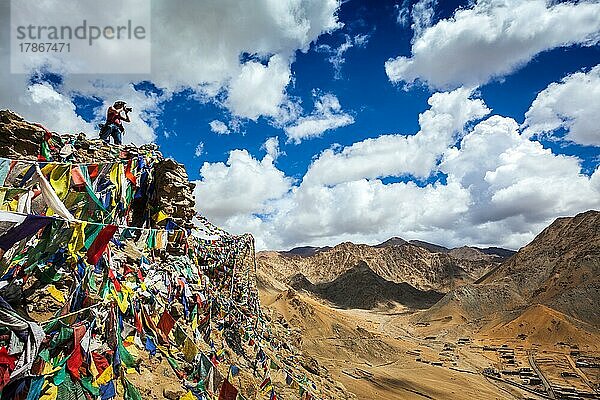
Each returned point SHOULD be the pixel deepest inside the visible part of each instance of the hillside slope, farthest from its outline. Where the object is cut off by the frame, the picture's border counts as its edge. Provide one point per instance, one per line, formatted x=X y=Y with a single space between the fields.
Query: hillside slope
x=558 y=270
x=360 y=287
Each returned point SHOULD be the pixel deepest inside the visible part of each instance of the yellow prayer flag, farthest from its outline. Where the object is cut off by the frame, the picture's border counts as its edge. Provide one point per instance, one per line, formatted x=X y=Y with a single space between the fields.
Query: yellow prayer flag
x=51 y=393
x=60 y=180
x=49 y=369
x=188 y=396
x=160 y=216
x=77 y=241
x=56 y=294
x=123 y=303
x=189 y=350
x=105 y=377
x=48 y=168
x=94 y=370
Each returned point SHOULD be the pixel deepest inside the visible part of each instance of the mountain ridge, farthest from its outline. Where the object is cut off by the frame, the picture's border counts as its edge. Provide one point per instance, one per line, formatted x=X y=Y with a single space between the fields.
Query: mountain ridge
x=559 y=269
x=396 y=260
x=360 y=287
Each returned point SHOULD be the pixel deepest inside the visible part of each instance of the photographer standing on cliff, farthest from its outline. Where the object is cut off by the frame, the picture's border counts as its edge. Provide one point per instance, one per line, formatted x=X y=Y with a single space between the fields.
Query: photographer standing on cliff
x=114 y=122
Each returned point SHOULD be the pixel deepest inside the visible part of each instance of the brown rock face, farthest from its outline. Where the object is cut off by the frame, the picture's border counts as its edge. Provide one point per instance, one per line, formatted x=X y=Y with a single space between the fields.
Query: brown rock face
x=18 y=138
x=560 y=269
x=174 y=192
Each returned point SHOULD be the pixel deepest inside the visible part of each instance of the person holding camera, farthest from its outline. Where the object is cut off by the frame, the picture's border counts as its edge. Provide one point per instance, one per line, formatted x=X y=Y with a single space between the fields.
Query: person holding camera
x=114 y=122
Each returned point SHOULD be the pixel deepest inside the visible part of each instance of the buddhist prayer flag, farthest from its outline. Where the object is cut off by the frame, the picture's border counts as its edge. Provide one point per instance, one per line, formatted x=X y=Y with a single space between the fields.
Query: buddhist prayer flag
x=99 y=245
x=27 y=228
x=112 y=299
x=76 y=358
x=166 y=323
x=266 y=385
x=228 y=391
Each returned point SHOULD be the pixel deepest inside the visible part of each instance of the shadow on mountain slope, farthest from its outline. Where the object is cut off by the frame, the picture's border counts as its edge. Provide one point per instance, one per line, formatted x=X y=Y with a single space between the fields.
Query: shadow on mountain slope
x=360 y=287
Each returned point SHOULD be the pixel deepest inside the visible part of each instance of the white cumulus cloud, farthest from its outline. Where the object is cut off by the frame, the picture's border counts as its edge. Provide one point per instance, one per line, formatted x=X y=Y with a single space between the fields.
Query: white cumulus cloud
x=398 y=155
x=501 y=187
x=243 y=185
x=491 y=39
x=219 y=127
x=271 y=146
x=517 y=187
x=572 y=104
x=259 y=90
x=202 y=53
x=327 y=114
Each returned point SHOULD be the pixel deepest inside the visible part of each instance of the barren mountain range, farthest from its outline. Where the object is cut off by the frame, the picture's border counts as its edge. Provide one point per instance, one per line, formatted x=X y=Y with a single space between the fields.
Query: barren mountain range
x=422 y=265
x=376 y=317
x=558 y=269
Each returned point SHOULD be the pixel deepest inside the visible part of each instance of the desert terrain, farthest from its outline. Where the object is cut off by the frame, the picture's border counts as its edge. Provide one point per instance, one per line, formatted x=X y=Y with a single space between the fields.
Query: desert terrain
x=514 y=332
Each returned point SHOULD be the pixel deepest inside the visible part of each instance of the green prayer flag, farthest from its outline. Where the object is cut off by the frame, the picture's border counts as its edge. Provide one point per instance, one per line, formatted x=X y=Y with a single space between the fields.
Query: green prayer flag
x=45 y=151
x=60 y=376
x=87 y=385
x=131 y=392
x=179 y=335
x=45 y=355
x=151 y=241
x=91 y=232
x=126 y=356
x=69 y=390
x=173 y=363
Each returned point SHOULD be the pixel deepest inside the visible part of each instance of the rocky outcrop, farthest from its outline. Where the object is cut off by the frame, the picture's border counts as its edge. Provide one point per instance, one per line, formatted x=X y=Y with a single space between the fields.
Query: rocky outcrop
x=173 y=193
x=18 y=138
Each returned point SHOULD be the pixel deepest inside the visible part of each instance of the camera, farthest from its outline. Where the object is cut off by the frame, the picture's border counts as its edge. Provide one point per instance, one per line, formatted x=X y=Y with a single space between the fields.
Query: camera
x=128 y=109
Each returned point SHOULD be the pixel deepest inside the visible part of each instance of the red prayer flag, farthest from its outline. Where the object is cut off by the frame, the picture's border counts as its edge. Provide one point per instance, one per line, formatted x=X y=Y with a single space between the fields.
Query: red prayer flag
x=138 y=322
x=166 y=323
x=113 y=279
x=265 y=383
x=228 y=391
x=93 y=171
x=7 y=365
x=77 y=176
x=76 y=359
x=128 y=174
x=100 y=362
x=99 y=245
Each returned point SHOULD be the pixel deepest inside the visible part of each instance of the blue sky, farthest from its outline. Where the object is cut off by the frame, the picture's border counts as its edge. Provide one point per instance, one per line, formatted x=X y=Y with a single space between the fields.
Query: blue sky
x=363 y=89
x=501 y=94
